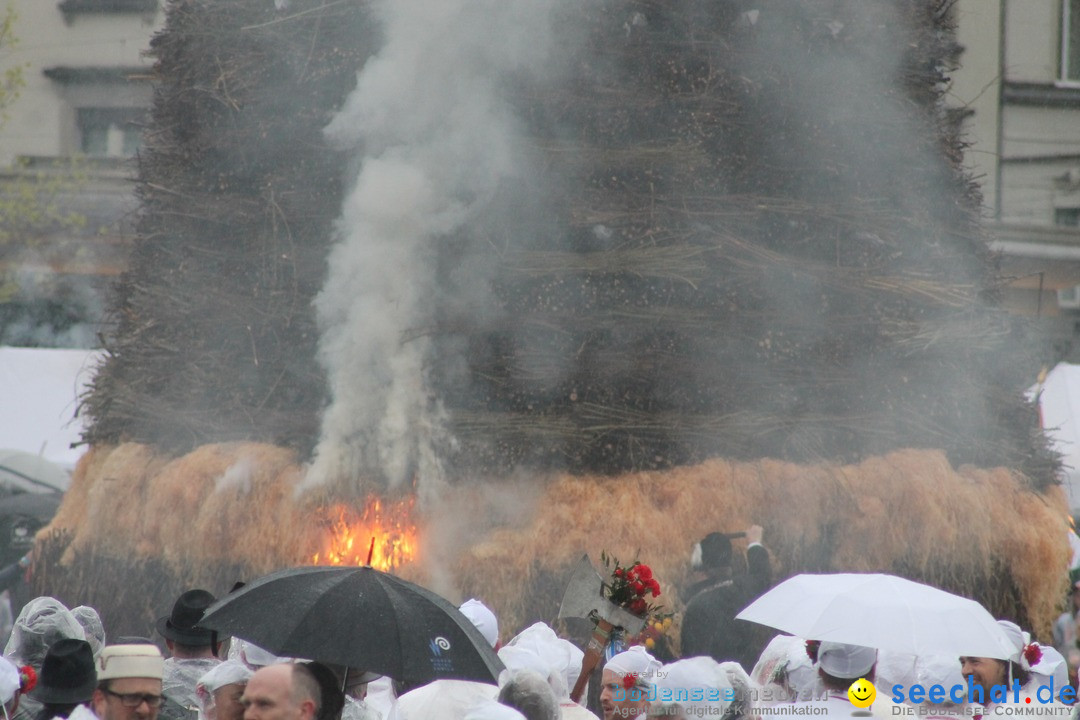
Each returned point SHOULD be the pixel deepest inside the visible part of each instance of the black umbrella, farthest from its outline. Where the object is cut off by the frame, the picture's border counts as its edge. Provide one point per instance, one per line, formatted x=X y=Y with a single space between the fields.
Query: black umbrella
x=360 y=617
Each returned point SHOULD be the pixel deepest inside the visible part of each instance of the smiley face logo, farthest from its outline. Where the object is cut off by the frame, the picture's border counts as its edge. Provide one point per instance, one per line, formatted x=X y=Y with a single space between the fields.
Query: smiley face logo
x=862 y=693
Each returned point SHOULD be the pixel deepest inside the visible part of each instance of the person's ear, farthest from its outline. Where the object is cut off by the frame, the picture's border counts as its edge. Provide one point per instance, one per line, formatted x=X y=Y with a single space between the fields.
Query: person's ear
x=97 y=700
x=307 y=709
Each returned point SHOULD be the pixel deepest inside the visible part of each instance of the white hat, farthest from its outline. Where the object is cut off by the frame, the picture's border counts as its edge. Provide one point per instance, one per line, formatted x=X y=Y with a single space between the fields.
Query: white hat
x=846 y=661
x=481 y=616
x=1019 y=642
x=700 y=677
x=9 y=680
x=130 y=661
x=637 y=662
x=1051 y=664
x=229 y=672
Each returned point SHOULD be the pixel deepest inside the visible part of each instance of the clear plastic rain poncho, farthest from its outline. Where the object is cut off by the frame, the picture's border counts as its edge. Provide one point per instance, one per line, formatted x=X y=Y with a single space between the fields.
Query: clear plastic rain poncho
x=41 y=623
x=359 y=710
x=441 y=700
x=491 y=710
x=181 y=676
x=252 y=655
x=746 y=691
x=785 y=671
x=230 y=672
x=538 y=648
x=91 y=624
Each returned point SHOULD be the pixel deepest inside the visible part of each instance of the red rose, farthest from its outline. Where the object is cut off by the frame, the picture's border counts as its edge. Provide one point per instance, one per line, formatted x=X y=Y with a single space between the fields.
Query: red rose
x=638 y=587
x=629 y=681
x=638 y=606
x=618 y=572
x=654 y=587
x=1033 y=653
x=27 y=679
x=644 y=572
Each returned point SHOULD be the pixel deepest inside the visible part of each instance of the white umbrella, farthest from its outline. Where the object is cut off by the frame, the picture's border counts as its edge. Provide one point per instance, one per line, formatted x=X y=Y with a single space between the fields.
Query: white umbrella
x=880 y=611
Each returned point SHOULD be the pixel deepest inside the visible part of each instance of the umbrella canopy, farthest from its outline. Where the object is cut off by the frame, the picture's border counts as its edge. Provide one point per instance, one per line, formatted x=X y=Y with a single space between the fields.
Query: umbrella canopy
x=880 y=611
x=359 y=617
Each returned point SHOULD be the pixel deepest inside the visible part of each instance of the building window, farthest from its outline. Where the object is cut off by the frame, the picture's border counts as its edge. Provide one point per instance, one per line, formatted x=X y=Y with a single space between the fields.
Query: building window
x=108 y=6
x=110 y=132
x=1070 y=41
x=1067 y=217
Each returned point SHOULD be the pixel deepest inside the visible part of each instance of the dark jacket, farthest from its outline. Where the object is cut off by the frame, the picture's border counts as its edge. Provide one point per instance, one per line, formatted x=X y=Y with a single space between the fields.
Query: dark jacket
x=709 y=626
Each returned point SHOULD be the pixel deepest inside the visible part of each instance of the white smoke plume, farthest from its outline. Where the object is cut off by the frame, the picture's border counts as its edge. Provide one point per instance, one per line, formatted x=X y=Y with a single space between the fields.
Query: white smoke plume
x=436 y=138
x=237 y=477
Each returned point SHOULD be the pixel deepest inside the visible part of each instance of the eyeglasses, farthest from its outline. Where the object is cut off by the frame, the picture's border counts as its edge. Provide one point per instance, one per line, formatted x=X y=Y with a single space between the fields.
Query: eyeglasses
x=136 y=699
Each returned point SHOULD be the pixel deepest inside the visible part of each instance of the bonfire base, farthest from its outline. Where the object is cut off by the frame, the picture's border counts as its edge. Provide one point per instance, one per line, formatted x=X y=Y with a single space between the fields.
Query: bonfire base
x=228 y=512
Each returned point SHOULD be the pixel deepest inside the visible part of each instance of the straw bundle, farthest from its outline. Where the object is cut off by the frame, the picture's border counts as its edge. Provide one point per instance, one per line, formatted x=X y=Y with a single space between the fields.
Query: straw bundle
x=976 y=532
x=199 y=510
x=228 y=512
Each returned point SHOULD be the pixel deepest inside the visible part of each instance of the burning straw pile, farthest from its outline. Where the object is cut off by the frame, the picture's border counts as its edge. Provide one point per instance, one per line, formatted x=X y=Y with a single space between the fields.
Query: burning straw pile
x=226 y=512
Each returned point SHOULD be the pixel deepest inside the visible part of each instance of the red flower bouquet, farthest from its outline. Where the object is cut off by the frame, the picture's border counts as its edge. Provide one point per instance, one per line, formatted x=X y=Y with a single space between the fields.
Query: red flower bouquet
x=630 y=587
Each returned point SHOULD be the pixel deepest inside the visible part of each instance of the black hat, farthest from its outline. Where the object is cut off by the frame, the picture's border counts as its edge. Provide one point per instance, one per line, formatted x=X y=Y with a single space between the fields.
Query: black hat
x=67 y=673
x=715 y=550
x=182 y=625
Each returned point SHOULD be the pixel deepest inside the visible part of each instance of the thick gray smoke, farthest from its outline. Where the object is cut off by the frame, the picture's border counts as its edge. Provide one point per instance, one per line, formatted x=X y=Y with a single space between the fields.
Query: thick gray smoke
x=803 y=165
x=436 y=139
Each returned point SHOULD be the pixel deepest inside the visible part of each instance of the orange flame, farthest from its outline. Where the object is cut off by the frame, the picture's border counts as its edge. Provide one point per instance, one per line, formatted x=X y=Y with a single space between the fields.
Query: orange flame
x=385 y=531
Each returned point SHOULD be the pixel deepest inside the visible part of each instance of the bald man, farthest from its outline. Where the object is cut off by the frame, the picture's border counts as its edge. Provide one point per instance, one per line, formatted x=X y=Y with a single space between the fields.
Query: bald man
x=282 y=692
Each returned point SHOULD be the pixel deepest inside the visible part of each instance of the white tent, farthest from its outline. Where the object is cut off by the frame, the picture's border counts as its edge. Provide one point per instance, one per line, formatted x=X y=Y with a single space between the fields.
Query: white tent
x=1059 y=407
x=39 y=392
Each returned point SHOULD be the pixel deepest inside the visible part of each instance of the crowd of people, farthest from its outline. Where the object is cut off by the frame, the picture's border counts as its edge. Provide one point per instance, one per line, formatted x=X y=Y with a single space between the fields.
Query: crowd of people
x=58 y=663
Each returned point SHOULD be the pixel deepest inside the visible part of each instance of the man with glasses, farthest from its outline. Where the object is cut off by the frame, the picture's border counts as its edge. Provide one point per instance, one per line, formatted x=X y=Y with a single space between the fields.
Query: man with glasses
x=129 y=683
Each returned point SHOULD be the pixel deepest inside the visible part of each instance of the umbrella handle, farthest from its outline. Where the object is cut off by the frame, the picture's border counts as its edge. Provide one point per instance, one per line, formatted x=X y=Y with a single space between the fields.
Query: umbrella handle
x=594 y=650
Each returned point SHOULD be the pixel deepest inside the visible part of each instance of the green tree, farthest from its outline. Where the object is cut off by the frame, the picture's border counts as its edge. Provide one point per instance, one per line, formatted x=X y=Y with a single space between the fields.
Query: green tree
x=34 y=204
x=12 y=78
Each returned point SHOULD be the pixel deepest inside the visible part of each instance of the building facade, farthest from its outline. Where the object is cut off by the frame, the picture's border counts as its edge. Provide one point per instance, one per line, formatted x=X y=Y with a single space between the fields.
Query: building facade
x=87 y=78
x=1019 y=82
x=67 y=149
